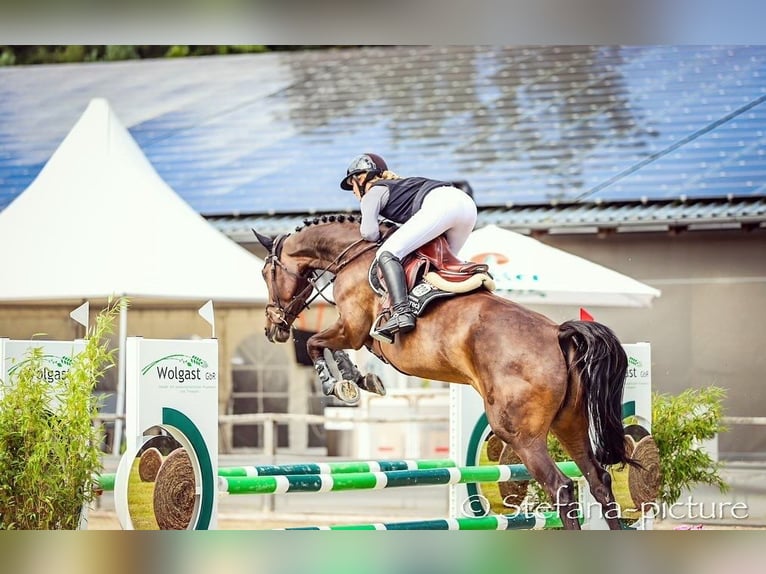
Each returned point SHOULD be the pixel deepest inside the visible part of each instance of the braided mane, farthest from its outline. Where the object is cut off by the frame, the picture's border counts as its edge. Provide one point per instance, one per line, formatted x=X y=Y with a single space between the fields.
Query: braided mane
x=340 y=218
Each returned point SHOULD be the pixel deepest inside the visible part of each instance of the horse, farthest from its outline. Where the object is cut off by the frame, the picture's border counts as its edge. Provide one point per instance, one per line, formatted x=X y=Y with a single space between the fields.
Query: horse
x=535 y=376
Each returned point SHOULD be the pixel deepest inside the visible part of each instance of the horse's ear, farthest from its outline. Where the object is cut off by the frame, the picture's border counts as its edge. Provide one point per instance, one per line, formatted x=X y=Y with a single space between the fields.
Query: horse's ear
x=264 y=240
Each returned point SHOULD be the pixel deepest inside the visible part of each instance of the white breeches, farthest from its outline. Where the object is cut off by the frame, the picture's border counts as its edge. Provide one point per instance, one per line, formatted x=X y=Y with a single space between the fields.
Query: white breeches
x=445 y=210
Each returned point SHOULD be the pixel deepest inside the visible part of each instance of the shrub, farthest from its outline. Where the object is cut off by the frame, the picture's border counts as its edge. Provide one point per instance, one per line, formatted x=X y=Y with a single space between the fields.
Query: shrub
x=49 y=447
x=679 y=423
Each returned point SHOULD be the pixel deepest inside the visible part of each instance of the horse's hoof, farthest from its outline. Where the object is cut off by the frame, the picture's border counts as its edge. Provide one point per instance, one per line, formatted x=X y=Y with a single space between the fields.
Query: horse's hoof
x=372 y=384
x=347 y=392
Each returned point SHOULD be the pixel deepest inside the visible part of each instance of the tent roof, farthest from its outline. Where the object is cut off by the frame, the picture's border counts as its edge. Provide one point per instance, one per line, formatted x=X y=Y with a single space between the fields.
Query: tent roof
x=529 y=271
x=99 y=221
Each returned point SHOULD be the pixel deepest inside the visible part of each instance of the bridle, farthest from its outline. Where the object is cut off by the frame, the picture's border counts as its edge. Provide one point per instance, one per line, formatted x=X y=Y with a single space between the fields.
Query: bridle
x=285 y=314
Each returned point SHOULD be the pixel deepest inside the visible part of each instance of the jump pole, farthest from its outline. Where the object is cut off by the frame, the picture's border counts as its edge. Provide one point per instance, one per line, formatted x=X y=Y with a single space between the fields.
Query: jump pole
x=526 y=521
x=106 y=480
x=379 y=480
x=335 y=467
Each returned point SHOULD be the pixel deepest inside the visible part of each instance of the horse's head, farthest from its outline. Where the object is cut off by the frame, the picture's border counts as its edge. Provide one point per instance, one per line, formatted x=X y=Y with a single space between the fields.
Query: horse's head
x=288 y=288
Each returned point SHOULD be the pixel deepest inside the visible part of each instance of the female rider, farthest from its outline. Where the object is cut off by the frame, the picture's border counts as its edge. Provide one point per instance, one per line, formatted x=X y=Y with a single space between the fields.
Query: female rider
x=424 y=209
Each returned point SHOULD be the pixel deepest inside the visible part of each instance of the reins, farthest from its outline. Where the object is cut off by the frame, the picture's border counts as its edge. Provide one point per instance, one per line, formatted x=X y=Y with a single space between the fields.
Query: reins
x=286 y=314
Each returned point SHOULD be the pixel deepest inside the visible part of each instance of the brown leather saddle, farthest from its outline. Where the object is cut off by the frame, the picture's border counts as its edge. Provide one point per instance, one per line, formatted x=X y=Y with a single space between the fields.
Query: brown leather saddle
x=436 y=257
x=433 y=272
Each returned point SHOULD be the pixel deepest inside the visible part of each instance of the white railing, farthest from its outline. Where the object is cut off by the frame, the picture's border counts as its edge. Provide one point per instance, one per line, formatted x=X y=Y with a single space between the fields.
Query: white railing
x=758 y=421
x=271 y=420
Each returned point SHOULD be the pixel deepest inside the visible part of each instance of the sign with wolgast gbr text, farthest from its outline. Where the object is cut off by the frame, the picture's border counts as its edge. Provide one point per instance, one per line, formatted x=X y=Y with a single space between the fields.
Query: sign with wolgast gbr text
x=173 y=385
x=57 y=359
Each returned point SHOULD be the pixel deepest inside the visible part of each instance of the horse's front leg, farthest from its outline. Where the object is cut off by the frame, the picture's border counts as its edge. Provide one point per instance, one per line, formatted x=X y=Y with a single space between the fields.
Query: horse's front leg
x=339 y=376
x=369 y=382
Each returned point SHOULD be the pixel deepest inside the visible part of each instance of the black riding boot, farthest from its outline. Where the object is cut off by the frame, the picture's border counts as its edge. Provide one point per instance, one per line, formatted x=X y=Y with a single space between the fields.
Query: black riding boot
x=402 y=318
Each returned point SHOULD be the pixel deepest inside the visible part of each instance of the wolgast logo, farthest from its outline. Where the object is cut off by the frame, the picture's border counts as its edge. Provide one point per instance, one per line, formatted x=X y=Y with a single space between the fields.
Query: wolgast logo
x=54 y=368
x=178 y=374
x=51 y=375
x=182 y=368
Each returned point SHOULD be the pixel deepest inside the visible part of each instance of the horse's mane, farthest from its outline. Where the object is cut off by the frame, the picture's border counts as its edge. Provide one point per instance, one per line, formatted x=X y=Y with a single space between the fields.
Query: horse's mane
x=340 y=218
x=336 y=218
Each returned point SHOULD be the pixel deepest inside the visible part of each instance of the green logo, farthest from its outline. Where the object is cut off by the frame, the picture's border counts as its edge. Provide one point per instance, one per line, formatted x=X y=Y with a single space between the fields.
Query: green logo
x=190 y=361
x=634 y=362
x=48 y=361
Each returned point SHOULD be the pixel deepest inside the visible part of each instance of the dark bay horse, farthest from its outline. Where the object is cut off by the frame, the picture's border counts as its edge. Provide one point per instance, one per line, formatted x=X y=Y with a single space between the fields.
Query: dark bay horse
x=534 y=375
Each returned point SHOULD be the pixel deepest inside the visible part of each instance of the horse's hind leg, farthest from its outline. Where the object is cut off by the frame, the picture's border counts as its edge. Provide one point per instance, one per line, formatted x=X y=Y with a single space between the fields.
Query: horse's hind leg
x=560 y=488
x=533 y=452
x=571 y=428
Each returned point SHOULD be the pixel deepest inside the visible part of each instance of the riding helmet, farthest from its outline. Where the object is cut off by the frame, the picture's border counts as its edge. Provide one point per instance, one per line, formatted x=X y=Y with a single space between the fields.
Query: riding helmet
x=367 y=162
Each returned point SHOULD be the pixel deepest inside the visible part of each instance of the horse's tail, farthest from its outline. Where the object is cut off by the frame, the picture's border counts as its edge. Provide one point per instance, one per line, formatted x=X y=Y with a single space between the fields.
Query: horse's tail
x=597 y=365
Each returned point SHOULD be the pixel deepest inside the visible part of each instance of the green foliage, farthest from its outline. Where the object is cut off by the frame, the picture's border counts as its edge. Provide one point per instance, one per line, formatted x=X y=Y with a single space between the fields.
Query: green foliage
x=536 y=491
x=49 y=54
x=112 y=53
x=679 y=423
x=49 y=448
x=177 y=52
x=73 y=54
x=7 y=56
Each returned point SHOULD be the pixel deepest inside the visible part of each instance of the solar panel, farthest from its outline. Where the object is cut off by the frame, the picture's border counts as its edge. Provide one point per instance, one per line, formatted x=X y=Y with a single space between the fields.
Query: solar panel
x=524 y=125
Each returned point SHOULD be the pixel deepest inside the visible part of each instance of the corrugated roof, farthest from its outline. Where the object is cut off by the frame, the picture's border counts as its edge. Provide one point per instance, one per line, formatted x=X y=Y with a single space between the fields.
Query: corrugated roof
x=273 y=133
x=592 y=217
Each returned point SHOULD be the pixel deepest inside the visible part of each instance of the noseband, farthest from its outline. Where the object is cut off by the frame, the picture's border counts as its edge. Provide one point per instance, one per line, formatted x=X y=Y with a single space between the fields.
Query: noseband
x=281 y=314
x=276 y=311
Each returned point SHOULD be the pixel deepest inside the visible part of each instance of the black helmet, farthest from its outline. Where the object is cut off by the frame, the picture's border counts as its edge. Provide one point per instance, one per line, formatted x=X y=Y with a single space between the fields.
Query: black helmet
x=368 y=162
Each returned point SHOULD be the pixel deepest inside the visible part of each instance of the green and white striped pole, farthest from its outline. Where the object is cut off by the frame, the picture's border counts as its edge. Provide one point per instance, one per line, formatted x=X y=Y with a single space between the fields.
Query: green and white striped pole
x=519 y=521
x=105 y=481
x=380 y=480
x=335 y=467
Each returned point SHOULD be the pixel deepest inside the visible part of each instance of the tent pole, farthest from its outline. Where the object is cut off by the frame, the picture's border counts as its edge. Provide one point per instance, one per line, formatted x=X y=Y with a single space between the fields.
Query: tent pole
x=120 y=406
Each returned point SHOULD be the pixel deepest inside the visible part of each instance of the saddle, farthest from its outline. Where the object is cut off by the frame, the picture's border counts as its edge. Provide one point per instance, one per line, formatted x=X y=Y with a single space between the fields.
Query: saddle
x=434 y=272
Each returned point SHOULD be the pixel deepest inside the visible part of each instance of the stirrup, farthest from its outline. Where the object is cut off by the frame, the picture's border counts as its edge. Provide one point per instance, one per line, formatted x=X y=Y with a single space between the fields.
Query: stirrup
x=386 y=335
x=379 y=335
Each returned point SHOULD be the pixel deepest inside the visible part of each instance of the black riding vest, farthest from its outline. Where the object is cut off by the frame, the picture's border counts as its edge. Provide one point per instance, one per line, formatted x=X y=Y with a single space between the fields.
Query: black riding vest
x=405 y=196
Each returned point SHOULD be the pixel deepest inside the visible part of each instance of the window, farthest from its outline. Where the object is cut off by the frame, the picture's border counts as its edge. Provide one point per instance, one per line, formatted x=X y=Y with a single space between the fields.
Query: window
x=260 y=384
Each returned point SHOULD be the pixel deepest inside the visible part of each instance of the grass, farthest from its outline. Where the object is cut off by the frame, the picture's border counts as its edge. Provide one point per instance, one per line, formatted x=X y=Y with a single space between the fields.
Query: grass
x=490 y=490
x=141 y=500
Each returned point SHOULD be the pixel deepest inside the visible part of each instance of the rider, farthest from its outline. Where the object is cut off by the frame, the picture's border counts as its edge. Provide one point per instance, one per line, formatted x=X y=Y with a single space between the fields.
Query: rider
x=424 y=208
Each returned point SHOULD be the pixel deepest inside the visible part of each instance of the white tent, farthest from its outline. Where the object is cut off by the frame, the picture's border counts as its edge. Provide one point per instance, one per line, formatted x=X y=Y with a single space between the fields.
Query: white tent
x=98 y=221
x=528 y=271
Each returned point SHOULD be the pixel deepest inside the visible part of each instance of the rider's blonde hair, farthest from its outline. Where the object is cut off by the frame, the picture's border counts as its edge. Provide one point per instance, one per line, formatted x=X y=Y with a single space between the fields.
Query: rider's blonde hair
x=388 y=174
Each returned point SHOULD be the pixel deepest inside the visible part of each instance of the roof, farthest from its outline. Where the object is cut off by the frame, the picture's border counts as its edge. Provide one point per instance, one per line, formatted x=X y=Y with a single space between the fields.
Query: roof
x=574 y=218
x=271 y=134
